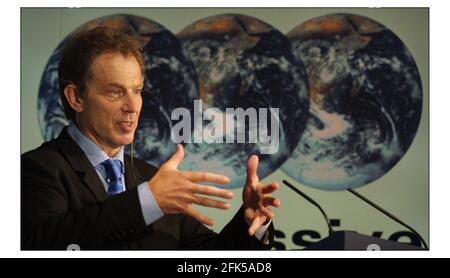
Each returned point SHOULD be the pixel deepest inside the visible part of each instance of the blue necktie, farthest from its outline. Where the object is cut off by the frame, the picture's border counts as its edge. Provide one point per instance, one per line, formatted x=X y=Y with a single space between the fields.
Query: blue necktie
x=114 y=176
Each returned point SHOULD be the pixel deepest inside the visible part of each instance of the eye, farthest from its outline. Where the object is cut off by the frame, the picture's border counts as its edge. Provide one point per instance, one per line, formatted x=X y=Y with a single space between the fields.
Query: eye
x=115 y=93
x=138 y=91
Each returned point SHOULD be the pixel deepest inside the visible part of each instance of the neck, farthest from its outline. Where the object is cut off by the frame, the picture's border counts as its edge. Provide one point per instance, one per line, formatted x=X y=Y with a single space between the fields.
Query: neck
x=111 y=151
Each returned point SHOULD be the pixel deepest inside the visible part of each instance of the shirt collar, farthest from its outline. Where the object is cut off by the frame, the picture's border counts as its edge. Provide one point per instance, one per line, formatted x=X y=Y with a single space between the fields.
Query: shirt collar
x=92 y=151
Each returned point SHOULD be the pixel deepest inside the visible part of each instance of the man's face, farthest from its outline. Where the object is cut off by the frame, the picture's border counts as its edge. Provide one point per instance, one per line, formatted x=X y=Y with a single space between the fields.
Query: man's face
x=112 y=101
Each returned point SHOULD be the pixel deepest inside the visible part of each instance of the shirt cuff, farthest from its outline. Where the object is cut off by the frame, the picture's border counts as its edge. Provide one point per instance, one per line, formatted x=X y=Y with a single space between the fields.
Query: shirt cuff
x=261 y=231
x=149 y=206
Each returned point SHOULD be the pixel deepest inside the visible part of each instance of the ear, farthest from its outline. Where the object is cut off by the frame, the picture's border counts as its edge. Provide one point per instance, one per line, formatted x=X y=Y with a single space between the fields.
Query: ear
x=73 y=97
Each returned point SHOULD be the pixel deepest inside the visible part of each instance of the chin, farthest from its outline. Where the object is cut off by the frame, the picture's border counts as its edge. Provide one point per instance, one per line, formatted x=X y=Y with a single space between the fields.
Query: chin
x=124 y=140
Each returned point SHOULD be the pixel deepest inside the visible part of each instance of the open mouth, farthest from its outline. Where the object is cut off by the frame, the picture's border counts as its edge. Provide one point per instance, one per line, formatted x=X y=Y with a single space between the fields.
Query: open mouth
x=126 y=126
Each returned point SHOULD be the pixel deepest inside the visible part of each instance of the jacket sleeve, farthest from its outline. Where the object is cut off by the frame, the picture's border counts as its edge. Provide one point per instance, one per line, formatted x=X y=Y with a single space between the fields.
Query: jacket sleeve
x=48 y=224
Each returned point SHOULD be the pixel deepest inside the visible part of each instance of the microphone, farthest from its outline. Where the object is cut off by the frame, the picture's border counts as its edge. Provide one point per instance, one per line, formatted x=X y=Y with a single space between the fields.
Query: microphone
x=299 y=192
x=388 y=214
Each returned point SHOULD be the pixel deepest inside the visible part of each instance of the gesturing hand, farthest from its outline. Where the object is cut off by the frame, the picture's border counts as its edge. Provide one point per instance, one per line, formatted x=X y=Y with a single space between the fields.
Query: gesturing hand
x=175 y=191
x=257 y=198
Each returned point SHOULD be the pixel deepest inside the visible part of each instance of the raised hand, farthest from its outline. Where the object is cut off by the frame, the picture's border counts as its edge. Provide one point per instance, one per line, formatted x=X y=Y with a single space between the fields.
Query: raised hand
x=175 y=191
x=257 y=198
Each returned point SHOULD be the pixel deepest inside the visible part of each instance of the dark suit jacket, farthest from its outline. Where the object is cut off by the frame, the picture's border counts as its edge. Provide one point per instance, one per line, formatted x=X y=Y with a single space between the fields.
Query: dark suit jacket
x=64 y=202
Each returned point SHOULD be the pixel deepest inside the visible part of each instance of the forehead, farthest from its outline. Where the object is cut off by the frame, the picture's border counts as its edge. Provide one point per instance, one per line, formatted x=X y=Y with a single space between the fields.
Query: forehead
x=116 y=68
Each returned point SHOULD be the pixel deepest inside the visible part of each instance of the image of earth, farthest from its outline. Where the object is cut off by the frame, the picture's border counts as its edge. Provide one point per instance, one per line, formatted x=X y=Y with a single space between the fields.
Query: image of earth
x=170 y=82
x=243 y=62
x=365 y=98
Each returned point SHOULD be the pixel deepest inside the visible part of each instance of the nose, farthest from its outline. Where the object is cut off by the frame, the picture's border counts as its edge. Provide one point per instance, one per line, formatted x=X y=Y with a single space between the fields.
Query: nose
x=132 y=103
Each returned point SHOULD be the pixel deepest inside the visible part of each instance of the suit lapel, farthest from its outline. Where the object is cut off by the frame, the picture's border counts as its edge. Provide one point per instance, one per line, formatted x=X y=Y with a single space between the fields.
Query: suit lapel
x=95 y=185
x=81 y=165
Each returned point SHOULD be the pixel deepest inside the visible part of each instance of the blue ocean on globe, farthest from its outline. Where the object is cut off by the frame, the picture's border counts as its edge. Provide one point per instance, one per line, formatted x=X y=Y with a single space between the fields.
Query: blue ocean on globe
x=365 y=102
x=243 y=62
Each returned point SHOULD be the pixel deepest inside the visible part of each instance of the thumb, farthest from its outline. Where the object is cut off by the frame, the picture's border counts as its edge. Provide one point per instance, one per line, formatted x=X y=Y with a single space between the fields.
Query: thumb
x=176 y=158
x=252 y=167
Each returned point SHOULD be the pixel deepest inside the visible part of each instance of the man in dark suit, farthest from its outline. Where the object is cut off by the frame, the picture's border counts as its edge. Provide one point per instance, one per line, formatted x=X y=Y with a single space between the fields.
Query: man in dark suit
x=82 y=190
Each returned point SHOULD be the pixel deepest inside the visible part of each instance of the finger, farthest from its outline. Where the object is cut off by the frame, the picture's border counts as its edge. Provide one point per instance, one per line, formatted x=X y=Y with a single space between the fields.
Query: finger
x=267 y=212
x=270 y=188
x=176 y=158
x=271 y=201
x=206 y=177
x=206 y=202
x=200 y=217
x=252 y=168
x=277 y=203
x=256 y=224
x=212 y=191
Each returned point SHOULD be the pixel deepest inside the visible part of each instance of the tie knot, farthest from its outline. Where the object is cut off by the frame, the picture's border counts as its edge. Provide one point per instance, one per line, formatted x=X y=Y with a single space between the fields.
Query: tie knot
x=113 y=168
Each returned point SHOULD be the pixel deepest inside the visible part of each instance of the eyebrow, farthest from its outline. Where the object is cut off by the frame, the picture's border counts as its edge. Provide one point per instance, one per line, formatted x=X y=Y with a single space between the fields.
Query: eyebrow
x=123 y=87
